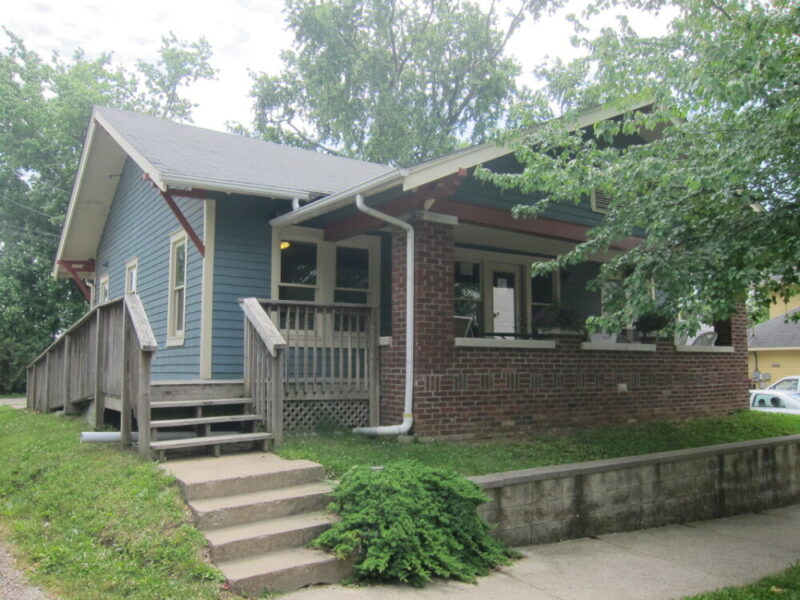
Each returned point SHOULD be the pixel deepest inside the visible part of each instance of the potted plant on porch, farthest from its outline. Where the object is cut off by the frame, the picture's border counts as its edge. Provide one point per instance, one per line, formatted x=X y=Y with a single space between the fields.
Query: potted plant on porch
x=650 y=324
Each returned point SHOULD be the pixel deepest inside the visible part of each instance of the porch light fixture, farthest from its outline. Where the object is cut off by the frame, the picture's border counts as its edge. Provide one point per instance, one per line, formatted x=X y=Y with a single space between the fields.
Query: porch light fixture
x=285 y=245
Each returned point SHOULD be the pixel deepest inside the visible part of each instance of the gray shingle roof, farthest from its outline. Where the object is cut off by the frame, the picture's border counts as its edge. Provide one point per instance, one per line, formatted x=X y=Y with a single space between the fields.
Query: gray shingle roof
x=186 y=151
x=775 y=333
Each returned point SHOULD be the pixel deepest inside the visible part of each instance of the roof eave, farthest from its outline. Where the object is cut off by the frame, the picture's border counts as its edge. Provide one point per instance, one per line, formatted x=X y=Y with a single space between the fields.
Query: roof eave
x=341 y=198
x=230 y=187
x=443 y=166
x=87 y=148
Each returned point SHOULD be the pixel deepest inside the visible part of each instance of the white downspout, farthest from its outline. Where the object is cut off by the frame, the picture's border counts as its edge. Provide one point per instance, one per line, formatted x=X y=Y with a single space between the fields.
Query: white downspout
x=408 y=417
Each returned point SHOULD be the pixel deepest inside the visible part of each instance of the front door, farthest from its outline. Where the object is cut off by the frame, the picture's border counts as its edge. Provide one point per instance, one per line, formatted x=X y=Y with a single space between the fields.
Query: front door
x=506 y=313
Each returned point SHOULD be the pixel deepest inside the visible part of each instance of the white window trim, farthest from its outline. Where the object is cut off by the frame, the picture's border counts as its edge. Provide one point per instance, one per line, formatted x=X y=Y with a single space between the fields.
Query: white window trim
x=490 y=259
x=176 y=338
x=326 y=261
x=104 y=282
x=131 y=265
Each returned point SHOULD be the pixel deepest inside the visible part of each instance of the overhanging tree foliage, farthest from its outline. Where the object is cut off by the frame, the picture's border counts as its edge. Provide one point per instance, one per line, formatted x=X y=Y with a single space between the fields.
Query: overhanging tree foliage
x=717 y=194
x=44 y=111
x=391 y=81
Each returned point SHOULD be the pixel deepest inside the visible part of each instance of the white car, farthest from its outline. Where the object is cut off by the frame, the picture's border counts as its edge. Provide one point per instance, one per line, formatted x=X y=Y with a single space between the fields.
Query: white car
x=787 y=384
x=775 y=401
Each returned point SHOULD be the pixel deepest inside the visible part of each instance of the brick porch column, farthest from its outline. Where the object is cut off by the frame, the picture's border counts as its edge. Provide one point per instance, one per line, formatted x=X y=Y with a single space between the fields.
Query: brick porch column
x=433 y=348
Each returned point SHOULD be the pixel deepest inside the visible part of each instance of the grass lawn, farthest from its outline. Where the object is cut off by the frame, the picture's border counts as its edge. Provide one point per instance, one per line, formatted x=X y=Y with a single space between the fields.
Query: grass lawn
x=783 y=586
x=93 y=522
x=338 y=451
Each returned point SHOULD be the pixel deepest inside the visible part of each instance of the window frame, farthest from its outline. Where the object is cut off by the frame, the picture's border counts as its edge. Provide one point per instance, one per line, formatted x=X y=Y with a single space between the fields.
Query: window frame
x=326 y=263
x=487 y=261
x=175 y=336
x=104 y=289
x=132 y=266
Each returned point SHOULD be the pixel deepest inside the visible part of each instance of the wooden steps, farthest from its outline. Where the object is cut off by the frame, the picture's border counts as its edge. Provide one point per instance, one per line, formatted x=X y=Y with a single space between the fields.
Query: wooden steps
x=163 y=424
x=212 y=416
x=258 y=511
x=199 y=402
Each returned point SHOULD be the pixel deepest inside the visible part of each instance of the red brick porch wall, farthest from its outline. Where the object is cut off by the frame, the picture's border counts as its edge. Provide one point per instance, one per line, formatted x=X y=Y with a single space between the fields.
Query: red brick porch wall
x=470 y=392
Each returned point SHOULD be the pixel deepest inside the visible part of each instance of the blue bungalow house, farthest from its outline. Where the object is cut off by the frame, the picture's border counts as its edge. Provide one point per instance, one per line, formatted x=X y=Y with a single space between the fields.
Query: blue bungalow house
x=291 y=286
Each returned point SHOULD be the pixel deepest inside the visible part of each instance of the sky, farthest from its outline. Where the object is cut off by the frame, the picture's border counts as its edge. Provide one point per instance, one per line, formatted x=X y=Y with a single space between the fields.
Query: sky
x=245 y=36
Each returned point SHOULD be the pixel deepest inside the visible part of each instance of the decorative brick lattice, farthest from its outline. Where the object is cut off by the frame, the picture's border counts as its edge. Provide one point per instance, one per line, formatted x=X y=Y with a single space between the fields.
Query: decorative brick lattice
x=308 y=415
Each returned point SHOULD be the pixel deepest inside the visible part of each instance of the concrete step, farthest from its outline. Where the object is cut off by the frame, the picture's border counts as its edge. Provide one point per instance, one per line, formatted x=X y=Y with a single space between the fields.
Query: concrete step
x=260 y=537
x=211 y=513
x=195 y=389
x=175 y=403
x=206 y=477
x=284 y=571
x=165 y=423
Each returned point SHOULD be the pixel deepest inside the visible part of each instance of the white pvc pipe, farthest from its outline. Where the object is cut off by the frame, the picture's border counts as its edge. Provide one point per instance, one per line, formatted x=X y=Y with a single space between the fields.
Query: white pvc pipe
x=92 y=437
x=408 y=416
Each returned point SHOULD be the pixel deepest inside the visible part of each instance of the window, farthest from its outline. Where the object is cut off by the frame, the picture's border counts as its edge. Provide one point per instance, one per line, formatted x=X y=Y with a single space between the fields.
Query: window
x=352 y=275
x=103 y=290
x=177 y=290
x=131 y=276
x=786 y=384
x=298 y=271
x=468 y=304
x=544 y=293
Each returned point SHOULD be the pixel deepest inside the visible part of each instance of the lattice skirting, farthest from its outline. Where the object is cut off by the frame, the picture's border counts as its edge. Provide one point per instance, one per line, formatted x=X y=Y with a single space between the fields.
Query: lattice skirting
x=308 y=415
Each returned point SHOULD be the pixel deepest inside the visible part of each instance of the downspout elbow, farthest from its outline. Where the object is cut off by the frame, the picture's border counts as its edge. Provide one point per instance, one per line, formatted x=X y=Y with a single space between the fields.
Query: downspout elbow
x=401 y=429
x=408 y=417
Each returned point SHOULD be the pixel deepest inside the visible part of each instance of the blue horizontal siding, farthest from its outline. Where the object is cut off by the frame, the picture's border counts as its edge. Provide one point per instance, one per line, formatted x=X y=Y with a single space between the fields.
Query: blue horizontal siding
x=139 y=225
x=242 y=268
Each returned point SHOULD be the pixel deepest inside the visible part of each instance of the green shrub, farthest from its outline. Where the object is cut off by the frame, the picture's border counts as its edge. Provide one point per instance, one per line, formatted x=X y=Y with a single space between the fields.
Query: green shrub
x=411 y=522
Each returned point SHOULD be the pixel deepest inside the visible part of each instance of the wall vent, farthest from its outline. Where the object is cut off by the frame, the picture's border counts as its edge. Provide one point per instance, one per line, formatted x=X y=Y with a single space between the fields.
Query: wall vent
x=600 y=201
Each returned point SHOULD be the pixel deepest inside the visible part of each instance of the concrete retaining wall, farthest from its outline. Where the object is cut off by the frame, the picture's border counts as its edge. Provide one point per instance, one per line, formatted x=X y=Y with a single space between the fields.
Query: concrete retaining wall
x=548 y=504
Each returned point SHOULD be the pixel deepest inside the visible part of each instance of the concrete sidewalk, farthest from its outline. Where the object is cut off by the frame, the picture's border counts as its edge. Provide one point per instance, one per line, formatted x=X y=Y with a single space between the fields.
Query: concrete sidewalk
x=653 y=564
x=13 y=402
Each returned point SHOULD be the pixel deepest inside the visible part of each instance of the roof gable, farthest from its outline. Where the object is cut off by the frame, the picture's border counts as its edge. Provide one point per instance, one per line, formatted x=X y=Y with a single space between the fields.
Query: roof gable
x=176 y=155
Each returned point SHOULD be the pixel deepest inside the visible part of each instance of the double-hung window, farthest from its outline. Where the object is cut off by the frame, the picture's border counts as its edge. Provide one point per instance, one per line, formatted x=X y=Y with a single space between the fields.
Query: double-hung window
x=468 y=297
x=176 y=313
x=352 y=275
x=131 y=276
x=298 y=271
x=103 y=289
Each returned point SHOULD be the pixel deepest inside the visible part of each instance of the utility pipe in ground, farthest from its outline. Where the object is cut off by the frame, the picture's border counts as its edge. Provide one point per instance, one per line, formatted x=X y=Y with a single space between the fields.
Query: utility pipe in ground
x=408 y=416
x=115 y=436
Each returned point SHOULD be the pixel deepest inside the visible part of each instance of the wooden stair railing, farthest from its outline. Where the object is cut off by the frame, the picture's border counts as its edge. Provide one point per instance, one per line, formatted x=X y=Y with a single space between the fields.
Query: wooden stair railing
x=104 y=356
x=138 y=346
x=264 y=366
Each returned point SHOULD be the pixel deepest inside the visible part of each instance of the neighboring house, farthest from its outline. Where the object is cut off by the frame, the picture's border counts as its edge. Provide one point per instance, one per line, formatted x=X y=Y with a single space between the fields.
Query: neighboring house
x=774 y=346
x=193 y=220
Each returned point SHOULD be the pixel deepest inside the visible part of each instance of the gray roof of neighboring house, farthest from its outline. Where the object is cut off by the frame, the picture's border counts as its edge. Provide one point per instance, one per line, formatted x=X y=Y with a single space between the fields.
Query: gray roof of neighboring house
x=775 y=333
x=180 y=151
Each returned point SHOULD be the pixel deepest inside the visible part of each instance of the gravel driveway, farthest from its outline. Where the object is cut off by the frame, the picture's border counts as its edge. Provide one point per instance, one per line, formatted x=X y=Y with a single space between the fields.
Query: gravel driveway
x=12 y=581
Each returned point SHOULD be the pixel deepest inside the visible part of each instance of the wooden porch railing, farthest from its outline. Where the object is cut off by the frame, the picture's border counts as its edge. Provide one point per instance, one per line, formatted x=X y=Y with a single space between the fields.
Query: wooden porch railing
x=264 y=367
x=104 y=356
x=331 y=350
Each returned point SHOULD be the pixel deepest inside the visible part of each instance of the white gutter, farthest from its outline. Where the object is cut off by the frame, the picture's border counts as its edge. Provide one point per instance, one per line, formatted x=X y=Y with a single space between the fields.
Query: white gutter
x=230 y=187
x=408 y=416
x=341 y=198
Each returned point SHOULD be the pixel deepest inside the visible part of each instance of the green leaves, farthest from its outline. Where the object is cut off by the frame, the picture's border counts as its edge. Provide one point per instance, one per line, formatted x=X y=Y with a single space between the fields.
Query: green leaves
x=411 y=522
x=44 y=111
x=723 y=134
x=391 y=81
